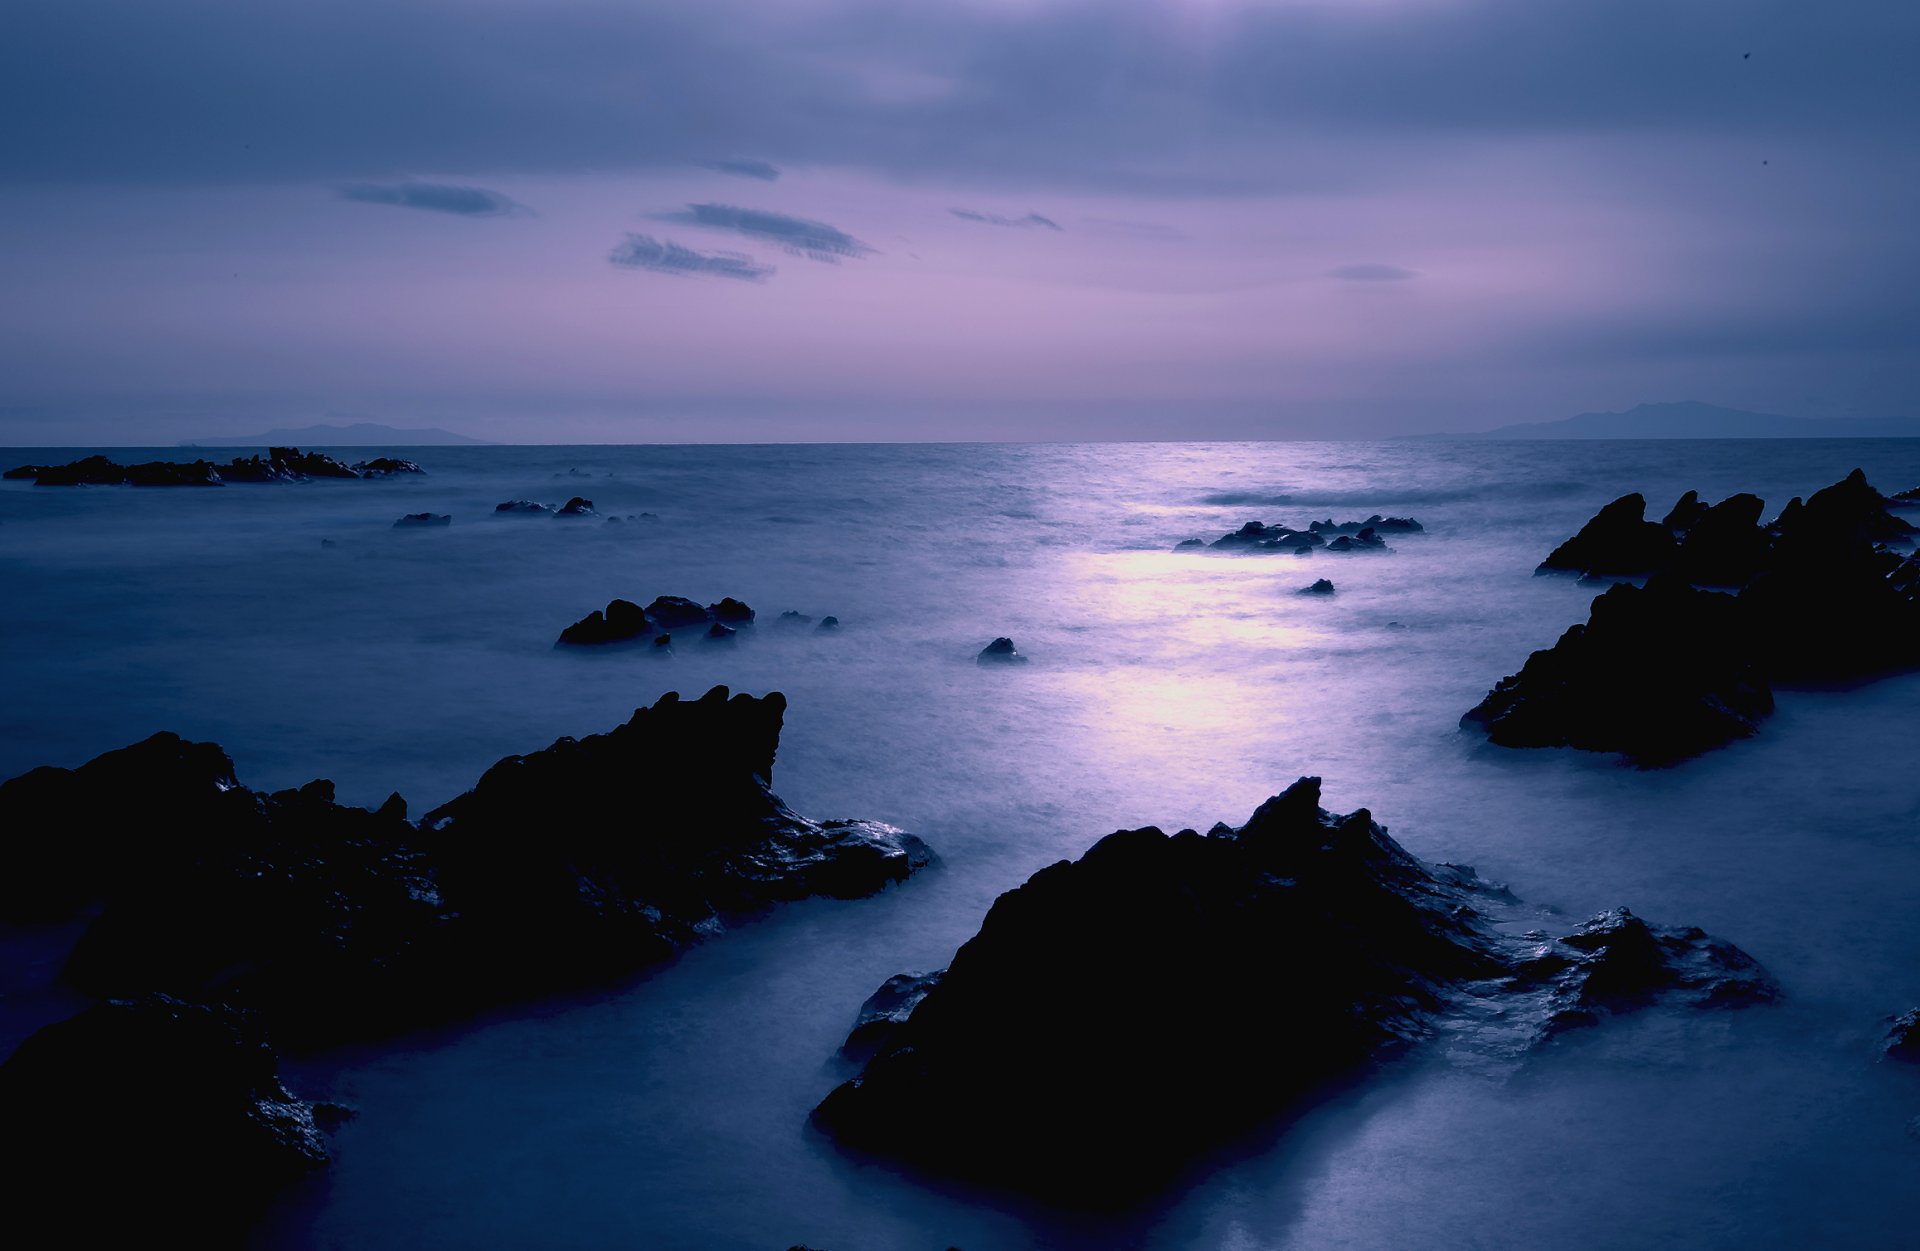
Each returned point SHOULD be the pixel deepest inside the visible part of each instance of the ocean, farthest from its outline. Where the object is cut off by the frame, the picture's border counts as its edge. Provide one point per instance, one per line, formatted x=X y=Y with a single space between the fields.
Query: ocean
x=1166 y=688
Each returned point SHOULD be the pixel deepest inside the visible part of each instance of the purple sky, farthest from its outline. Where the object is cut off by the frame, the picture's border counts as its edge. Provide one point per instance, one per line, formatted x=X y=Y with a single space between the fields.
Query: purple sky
x=556 y=220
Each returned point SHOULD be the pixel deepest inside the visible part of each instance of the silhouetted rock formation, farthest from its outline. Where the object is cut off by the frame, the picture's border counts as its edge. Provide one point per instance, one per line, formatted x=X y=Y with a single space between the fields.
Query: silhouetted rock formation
x=671 y=612
x=730 y=611
x=585 y=860
x=145 y=1111
x=1619 y=540
x=411 y=520
x=1000 y=652
x=524 y=508
x=1902 y=1041
x=1321 y=586
x=282 y=464
x=577 y=507
x=1658 y=673
x=828 y=622
x=1335 y=536
x=623 y=622
x=1118 y=1016
x=1667 y=673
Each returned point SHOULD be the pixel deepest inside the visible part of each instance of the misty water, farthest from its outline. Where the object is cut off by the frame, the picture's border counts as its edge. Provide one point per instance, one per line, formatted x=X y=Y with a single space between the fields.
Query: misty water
x=1169 y=689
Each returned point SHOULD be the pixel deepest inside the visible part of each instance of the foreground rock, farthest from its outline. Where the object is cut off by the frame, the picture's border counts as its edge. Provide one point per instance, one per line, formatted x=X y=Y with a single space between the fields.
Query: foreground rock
x=281 y=464
x=1669 y=672
x=566 y=866
x=145 y=1111
x=1658 y=673
x=1119 y=1016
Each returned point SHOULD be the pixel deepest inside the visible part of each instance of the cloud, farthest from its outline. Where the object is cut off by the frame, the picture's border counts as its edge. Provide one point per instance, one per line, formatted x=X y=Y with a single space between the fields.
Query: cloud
x=1029 y=222
x=762 y=170
x=649 y=253
x=433 y=196
x=798 y=235
x=1370 y=272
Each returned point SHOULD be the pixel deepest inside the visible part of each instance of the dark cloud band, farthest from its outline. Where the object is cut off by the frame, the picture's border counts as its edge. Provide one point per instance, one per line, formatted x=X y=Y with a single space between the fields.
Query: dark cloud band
x=432 y=196
x=798 y=235
x=648 y=253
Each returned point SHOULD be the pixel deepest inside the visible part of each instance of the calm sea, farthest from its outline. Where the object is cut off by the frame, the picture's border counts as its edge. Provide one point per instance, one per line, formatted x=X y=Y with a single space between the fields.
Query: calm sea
x=1172 y=689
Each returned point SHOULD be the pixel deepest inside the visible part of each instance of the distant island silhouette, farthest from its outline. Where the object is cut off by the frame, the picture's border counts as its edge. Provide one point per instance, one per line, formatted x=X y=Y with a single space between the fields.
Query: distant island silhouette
x=359 y=434
x=1690 y=419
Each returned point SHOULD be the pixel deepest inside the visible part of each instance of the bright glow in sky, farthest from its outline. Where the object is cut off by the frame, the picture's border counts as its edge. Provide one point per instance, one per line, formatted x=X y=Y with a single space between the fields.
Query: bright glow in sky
x=581 y=220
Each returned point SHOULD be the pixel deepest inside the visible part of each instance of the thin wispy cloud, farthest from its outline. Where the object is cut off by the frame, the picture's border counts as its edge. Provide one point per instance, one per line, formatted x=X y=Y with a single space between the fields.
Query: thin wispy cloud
x=1032 y=221
x=1368 y=272
x=761 y=170
x=433 y=196
x=798 y=235
x=648 y=253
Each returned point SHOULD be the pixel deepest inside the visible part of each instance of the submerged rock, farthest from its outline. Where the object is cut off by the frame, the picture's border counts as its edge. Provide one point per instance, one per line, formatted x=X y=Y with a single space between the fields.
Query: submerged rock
x=717 y=633
x=412 y=520
x=150 y=1110
x=730 y=611
x=1119 y=1016
x=828 y=622
x=671 y=612
x=524 y=508
x=1321 y=586
x=1000 y=652
x=1658 y=673
x=576 y=507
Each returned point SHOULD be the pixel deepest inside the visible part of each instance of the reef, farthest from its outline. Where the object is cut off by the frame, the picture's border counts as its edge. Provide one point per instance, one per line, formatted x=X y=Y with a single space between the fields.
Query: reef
x=1335 y=536
x=281 y=464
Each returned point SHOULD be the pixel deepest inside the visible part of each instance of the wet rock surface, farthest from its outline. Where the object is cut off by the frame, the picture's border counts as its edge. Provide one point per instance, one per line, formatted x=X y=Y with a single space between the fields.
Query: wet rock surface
x=583 y=861
x=281 y=464
x=1657 y=674
x=1119 y=1016
x=142 y=1107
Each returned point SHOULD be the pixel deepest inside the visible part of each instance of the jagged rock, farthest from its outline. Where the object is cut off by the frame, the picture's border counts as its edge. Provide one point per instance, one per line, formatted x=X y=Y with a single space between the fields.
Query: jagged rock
x=884 y=1011
x=1401 y=525
x=1000 y=652
x=1320 y=587
x=1118 y=1016
x=1725 y=544
x=1902 y=1041
x=150 y=1109
x=168 y=473
x=386 y=467
x=1658 y=673
x=1258 y=537
x=1619 y=541
x=730 y=611
x=577 y=507
x=524 y=508
x=671 y=612
x=423 y=519
x=310 y=464
x=1685 y=513
x=622 y=622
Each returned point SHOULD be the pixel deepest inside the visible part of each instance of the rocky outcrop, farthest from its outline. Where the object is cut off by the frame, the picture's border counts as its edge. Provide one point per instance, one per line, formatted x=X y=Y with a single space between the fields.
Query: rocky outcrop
x=1367 y=540
x=524 y=508
x=1000 y=652
x=578 y=506
x=1119 y=1016
x=149 y=1109
x=672 y=612
x=1398 y=525
x=281 y=464
x=583 y=861
x=1618 y=541
x=416 y=520
x=1658 y=673
x=623 y=622
x=1321 y=586
x=1335 y=536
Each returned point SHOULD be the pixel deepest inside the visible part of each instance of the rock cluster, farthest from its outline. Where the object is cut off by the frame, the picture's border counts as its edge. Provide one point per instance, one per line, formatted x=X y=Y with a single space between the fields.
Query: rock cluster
x=281 y=464
x=624 y=621
x=1668 y=670
x=1342 y=536
x=1118 y=1016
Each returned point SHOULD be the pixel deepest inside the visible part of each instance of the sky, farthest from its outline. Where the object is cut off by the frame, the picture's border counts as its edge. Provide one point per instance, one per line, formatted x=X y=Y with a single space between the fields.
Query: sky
x=740 y=220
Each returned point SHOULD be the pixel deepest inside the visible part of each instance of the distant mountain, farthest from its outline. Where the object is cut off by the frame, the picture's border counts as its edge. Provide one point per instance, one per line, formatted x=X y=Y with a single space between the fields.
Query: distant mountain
x=359 y=434
x=1691 y=419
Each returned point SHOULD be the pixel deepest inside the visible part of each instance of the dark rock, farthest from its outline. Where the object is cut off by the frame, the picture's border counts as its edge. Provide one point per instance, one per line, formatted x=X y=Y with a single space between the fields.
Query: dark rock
x=1119 y=1016
x=309 y=464
x=1401 y=525
x=140 y=1108
x=793 y=618
x=20 y=472
x=524 y=508
x=1320 y=587
x=167 y=473
x=671 y=612
x=884 y=1011
x=622 y=622
x=577 y=507
x=1685 y=513
x=1619 y=541
x=828 y=623
x=1725 y=545
x=423 y=519
x=1185 y=544
x=730 y=611
x=1258 y=537
x=662 y=646
x=386 y=467
x=1000 y=652
x=717 y=633
x=1902 y=1041
x=90 y=471
x=1658 y=673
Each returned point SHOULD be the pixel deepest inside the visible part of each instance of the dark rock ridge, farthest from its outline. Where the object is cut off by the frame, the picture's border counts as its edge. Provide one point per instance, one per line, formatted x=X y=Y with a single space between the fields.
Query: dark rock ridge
x=583 y=861
x=141 y=1107
x=1668 y=671
x=1119 y=1016
x=423 y=519
x=1258 y=536
x=281 y=464
x=623 y=621
x=999 y=652
x=1658 y=673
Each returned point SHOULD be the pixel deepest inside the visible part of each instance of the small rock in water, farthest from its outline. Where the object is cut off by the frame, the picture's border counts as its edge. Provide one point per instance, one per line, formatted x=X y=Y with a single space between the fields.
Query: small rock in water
x=828 y=623
x=577 y=507
x=1000 y=652
x=671 y=612
x=1322 y=586
x=718 y=633
x=423 y=519
x=792 y=618
x=731 y=611
x=523 y=508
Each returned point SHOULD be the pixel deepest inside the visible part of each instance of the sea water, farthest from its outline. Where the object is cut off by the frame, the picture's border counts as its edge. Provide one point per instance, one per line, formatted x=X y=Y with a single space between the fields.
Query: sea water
x=1168 y=688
